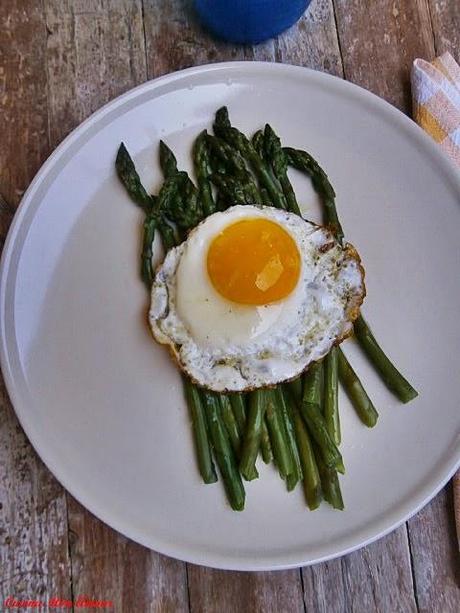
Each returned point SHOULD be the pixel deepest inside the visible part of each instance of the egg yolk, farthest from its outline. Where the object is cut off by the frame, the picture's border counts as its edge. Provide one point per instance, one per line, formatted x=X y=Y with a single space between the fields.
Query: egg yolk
x=254 y=261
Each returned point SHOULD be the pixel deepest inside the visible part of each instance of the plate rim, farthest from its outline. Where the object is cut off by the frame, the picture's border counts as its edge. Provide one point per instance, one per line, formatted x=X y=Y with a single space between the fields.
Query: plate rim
x=400 y=514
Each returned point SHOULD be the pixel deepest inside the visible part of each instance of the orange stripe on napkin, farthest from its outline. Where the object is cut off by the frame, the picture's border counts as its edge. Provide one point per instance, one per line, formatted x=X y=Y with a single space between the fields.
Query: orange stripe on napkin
x=436 y=101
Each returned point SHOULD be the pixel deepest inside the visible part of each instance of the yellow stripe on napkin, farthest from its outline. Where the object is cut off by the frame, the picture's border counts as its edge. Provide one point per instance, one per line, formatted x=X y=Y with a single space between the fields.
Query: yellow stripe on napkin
x=436 y=101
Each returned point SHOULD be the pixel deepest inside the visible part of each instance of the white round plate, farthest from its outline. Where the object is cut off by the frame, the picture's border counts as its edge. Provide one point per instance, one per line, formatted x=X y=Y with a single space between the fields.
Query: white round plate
x=102 y=403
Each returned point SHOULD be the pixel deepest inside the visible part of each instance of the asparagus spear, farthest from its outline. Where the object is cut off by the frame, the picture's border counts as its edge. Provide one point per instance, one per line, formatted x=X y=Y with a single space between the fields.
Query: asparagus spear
x=284 y=403
x=331 y=392
x=329 y=481
x=221 y=119
x=223 y=452
x=168 y=162
x=238 y=140
x=201 y=158
x=239 y=409
x=356 y=392
x=311 y=478
x=232 y=161
x=205 y=463
x=231 y=188
x=279 y=162
x=304 y=162
x=130 y=179
x=229 y=421
x=150 y=225
x=390 y=375
x=258 y=144
x=265 y=445
x=311 y=412
x=278 y=435
x=252 y=436
x=295 y=389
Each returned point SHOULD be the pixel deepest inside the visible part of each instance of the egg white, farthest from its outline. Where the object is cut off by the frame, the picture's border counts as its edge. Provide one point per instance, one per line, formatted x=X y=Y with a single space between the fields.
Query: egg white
x=223 y=345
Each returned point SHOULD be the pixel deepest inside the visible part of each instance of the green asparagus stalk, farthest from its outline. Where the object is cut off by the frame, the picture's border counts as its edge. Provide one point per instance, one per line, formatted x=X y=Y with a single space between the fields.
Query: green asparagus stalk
x=232 y=161
x=258 y=143
x=128 y=176
x=356 y=392
x=150 y=226
x=393 y=379
x=311 y=479
x=265 y=445
x=295 y=389
x=331 y=393
x=205 y=463
x=238 y=140
x=201 y=159
x=279 y=163
x=168 y=235
x=329 y=481
x=239 y=409
x=223 y=452
x=287 y=411
x=221 y=119
x=168 y=162
x=304 y=162
x=252 y=436
x=312 y=414
x=228 y=418
x=231 y=188
x=278 y=435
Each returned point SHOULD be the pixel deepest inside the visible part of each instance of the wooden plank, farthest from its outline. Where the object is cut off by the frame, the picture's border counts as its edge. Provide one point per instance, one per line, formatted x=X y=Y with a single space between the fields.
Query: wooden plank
x=108 y=566
x=435 y=556
x=95 y=52
x=217 y=591
x=34 y=560
x=174 y=39
x=23 y=100
x=375 y=578
x=379 y=40
x=445 y=17
x=313 y=41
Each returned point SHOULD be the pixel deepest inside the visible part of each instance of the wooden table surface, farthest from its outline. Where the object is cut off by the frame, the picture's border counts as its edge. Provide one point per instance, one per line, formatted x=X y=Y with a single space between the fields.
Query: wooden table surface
x=60 y=60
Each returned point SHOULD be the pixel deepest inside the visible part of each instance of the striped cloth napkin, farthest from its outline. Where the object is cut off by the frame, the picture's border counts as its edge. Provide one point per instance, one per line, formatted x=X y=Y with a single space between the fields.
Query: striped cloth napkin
x=436 y=108
x=436 y=101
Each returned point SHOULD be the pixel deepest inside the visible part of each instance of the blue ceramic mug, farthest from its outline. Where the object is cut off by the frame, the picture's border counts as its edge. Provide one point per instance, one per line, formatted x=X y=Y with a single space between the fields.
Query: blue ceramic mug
x=249 y=21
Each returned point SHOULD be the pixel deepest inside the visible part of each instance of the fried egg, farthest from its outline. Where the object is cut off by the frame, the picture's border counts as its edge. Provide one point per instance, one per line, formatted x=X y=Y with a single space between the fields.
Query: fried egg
x=253 y=296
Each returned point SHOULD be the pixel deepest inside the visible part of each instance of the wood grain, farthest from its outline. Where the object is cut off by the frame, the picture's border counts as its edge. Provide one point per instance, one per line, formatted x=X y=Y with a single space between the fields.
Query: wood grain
x=174 y=39
x=23 y=96
x=95 y=52
x=396 y=32
x=111 y=567
x=375 y=578
x=216 y=591
x=445 y=18
x=34 y=558
x=435 y=556
x=313 y=41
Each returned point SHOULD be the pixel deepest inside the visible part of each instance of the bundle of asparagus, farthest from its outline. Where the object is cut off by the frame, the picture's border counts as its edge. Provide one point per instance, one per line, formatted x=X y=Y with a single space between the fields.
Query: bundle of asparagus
x=297 y=424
